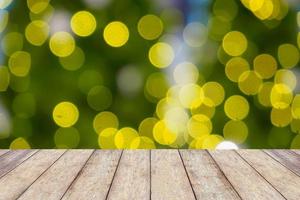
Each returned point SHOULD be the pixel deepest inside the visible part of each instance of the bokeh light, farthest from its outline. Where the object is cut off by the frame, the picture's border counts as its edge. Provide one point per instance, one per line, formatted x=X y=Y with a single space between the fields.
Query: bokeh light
x=235 y=43
x=236 y=107
x=161 y=55
x=65 y=114
x=83 y=23
x=62 y=44
x=158 y=74
x=116 y=34
x=37 y=32
x=150 y=27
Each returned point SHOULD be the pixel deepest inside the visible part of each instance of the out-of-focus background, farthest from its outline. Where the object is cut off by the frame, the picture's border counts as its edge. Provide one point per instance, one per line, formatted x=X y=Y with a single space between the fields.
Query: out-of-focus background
x=149 y=74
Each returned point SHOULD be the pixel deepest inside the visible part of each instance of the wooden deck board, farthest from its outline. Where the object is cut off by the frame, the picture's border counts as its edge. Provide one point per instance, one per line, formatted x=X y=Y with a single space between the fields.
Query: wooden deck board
x=132 y=179
x=168 y=177
x=2 y=152
x=56 y=180
x=18 y=180
x=275 y=173
x=289 y=159
x=246 y=181
x=12 y=159
x=207 y=179
x=145 y=174
x=96 y=177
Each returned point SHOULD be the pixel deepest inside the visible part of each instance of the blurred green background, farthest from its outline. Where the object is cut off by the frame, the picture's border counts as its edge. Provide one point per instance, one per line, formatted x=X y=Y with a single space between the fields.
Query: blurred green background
x=27 y=103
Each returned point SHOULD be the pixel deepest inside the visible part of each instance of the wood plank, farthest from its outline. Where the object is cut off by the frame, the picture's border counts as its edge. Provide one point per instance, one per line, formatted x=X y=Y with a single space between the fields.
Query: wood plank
x=96 y=177
x=246 y=181
x=285 y=181
x=168 y=177
x=206 y=178
x=2 y=152
x=296 y=151
x=132 y=178
x=56 y=180
x=289 y=159
x=12 y=159
x=16 y=181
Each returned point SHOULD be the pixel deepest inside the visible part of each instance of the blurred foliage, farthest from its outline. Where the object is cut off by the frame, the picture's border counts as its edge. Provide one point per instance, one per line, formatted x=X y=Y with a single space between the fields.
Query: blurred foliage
x=149 y=74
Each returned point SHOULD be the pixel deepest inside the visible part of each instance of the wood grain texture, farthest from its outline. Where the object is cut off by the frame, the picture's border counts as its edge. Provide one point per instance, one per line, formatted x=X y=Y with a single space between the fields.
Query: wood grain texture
x=168 y=177
x=132 y=178
x=56 y=180
x=296 y=151
x=16 y=181
x=275 y=173
x=206 y=178
x=12 y=159
x=246 y=181
x=96 y=176
x=144 y=174
x=289 y=159
x=2 y=152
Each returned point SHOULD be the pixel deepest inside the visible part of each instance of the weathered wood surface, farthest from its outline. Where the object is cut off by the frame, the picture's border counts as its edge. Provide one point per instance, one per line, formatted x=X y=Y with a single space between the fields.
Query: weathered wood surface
x=145 y=174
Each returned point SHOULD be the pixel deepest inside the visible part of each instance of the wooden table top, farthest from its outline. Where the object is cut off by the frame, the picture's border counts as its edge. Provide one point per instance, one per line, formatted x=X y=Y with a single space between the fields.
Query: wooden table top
x=145 y=174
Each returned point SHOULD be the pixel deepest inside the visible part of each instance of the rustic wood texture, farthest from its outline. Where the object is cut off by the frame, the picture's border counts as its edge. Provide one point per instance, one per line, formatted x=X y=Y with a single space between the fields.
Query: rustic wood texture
x=149 y=174
x=206 y=177
x=168 y=176
x=56 y=180
x=2 y=152
x=246 y=181
x=12 y=159
x=275 y=173
x=96 y=177
x=132 y=178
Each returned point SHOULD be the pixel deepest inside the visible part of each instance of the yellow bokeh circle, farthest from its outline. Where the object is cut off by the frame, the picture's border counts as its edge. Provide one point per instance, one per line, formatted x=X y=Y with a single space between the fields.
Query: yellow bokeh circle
x=199 y=125
x=235 y=67
x=116 y=34
x=83 y=23
x=281 y=96
x=19 y=63
x=105 y=120
x=236 y=107
x=281 y=117
x=106 y=138
x=146 y=126
x=235 y=43
x=161 y=55
x=19 y=143
x=65 y=114
x=250 y=82
x=124 y=137
x=235 y=131
x=150 y=27
x=214 y=94
x=62 y=44
x=162 y=134
x=288 y=55
x=37 y=32
x=265 y=65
